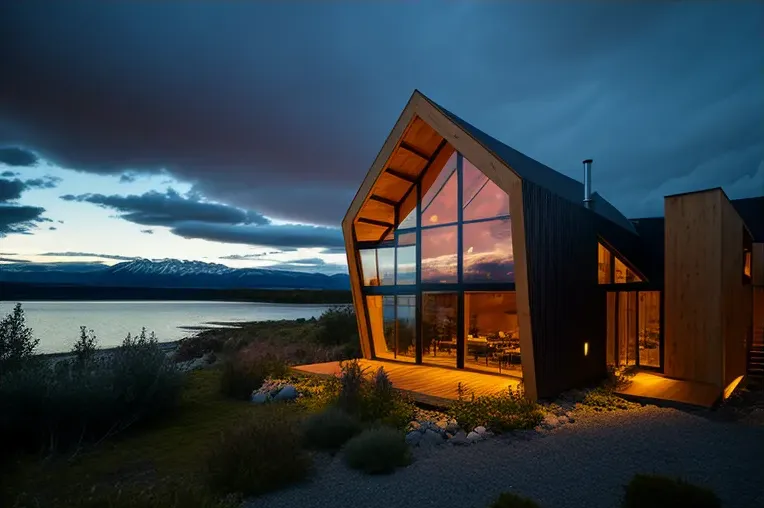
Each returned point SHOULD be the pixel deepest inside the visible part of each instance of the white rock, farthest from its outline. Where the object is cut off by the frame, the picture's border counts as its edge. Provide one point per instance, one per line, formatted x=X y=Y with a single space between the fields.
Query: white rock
x=259 y=398
x=459 y=439
x=288 y=392
x=413 y=437
x=473 y=436
x=480 y=430
x=431 y=438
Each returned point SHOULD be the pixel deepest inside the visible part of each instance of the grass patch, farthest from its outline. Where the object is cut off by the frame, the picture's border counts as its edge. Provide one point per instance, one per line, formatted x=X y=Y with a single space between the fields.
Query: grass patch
x=603 y=399
x=498 y=413
x=510 y=500
x=377 y=451
x=653 y=491
x=166 y=450
x=259 y=455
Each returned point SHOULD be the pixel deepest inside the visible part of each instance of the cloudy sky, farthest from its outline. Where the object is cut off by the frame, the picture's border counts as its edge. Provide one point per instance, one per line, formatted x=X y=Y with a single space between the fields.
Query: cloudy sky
x=238 y=132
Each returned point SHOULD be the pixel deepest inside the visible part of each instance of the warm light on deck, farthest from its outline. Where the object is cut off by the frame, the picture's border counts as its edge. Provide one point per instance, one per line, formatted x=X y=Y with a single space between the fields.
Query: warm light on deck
x=731 y=387
x=586 y=349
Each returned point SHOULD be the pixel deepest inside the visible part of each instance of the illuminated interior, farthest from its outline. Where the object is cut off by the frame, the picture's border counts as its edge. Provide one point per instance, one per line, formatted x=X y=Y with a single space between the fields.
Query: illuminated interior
x=448 y=248
x=634 y=328
x=612 y=270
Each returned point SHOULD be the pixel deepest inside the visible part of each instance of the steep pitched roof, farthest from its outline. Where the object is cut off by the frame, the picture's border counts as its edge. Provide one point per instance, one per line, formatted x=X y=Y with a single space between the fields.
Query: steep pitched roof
x=540 y=174
x=751 y=210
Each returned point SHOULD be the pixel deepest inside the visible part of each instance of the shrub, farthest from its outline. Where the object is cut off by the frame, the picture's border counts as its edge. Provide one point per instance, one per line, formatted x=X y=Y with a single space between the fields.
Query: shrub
x=260 y=455
x=377 y=451
x=652 y=491
x=499 y=413
x=84 y=349
x=337 y=325
x=602 y=399
x=52 y=407
x=330 y=429
x=510 y=500
x=248 y=371
x=164 y=496
x=351 y=386
x=17 y=345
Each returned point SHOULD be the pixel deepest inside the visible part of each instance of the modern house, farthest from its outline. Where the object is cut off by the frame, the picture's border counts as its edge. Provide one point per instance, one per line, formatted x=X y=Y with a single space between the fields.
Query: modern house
x=466 y=254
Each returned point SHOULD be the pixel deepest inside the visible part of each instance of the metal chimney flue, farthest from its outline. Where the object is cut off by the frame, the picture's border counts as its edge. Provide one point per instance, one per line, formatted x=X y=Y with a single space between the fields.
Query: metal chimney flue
x=588 y=183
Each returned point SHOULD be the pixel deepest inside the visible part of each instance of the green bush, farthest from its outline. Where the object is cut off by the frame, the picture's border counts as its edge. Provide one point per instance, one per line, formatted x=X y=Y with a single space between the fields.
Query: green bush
x=510 y=500
x=261 y=455
x=330 y=429
x=603 y=399
x=499 y=413
x=248 y=371
x=17 y=345
x=47 y=407
x=377 y=451
x=337 y=325
x=653 y=491
x=85 y=348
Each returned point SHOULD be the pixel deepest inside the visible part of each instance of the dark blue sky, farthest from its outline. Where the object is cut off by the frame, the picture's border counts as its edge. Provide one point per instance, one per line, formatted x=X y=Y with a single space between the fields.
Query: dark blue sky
x=279 y=108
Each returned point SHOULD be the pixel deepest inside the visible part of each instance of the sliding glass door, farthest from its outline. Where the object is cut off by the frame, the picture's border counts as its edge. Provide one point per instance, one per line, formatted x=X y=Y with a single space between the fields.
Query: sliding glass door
x=634 y=329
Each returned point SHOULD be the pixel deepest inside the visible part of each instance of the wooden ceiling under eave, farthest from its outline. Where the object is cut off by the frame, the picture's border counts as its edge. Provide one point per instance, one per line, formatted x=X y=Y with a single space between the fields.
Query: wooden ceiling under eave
x=421 y=148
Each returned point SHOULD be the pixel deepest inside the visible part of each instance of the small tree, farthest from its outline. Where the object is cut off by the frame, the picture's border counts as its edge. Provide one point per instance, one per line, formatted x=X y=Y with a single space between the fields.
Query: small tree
x=85 y=347
x=16 y=342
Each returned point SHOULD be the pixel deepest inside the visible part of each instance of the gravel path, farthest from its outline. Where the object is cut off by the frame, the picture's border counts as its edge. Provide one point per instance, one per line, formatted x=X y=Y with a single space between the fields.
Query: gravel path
x=583 y=464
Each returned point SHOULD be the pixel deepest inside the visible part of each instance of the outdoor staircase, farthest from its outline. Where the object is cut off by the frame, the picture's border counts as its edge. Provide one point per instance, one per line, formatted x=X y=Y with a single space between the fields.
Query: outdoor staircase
x=756 y=360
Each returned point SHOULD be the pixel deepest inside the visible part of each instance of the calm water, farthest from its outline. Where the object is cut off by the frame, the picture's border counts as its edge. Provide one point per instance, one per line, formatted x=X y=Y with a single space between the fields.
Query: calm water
x=57 y=324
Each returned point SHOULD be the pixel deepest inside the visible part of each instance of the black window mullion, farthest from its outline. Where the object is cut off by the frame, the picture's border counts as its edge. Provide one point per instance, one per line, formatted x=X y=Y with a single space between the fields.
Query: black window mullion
x=418 y=287
x=460 y=340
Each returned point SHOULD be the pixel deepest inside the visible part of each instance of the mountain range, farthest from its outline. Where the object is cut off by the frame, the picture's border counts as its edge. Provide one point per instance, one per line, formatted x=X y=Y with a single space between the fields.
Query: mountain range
x=168 y=273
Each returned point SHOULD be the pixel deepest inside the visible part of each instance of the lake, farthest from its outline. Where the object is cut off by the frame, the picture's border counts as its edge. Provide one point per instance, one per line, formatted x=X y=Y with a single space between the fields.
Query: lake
x=57 y=324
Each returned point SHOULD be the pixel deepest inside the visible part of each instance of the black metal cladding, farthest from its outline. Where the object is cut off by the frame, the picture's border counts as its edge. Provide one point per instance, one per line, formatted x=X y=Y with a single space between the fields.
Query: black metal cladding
x=567 y=307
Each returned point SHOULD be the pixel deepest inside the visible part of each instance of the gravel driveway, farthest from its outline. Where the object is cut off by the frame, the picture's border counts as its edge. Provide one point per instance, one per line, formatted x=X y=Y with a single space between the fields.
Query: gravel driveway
x=581 y=465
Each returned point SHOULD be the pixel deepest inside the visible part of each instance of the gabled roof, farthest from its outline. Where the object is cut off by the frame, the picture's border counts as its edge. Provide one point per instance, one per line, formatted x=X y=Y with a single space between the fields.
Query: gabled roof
x=751 y=210
x=533 y=171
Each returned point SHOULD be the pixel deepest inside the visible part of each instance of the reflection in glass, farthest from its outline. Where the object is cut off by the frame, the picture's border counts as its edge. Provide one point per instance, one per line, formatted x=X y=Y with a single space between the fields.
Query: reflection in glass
x=386 y=266
x=408 y=211
x=482 y=199
x=627 y=328
x=492 y=332
x=439 y=203
x=488 y=254
x=406 y=270
x=405 y=330
x=603 y=264
x=369 y=267
x=439 y=328
x=381 y=311
x=439 y=255
x=649 y=328
x=624 y=274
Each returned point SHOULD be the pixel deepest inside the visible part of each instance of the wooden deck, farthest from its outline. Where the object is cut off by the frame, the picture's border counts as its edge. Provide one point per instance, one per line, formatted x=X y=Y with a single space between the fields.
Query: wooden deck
x=661 y=390
x=435 y=386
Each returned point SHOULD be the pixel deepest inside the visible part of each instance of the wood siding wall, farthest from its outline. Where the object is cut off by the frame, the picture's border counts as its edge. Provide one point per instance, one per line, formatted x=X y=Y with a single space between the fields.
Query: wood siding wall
x=758 y=316
x=567 y=308
x=707 y=306
x=737 y=297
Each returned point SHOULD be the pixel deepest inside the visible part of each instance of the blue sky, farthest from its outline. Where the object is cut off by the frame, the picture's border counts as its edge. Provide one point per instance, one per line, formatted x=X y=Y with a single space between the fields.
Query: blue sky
x=238 y=132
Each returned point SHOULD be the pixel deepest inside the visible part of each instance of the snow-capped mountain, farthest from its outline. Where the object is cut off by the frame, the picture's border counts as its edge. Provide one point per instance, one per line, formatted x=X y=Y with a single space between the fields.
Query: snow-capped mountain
x=167 y=273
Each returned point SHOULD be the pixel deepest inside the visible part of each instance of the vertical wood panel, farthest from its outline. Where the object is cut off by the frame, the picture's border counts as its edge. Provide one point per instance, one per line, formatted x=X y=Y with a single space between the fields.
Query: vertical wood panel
x=757 y=264
x=567 y=308
x=693 y=329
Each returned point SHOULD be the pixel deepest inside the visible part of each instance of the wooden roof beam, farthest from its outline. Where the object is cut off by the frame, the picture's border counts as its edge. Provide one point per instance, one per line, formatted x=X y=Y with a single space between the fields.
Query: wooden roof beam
x=375 y=222
x=414 y=150
x=401 y=175
x=380 y=199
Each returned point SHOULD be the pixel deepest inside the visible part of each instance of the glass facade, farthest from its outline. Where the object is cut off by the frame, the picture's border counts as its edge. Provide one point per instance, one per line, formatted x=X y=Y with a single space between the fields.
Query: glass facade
x=440 y=287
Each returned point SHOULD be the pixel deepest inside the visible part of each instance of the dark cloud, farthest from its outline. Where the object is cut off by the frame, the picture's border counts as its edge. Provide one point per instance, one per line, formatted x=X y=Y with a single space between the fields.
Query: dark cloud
x=8 y=174
x=19 y=219
x=88 y=255
x=166 y=209
x=12 y=189
x=311 y=265
x=202 y=90
x=147 y=231
x=127 y=178
x=52 y=228
x=190 y=216
x=15 y=156
x=9 y=260
x=256 y=256
x=269 y=235
x=46 y=182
